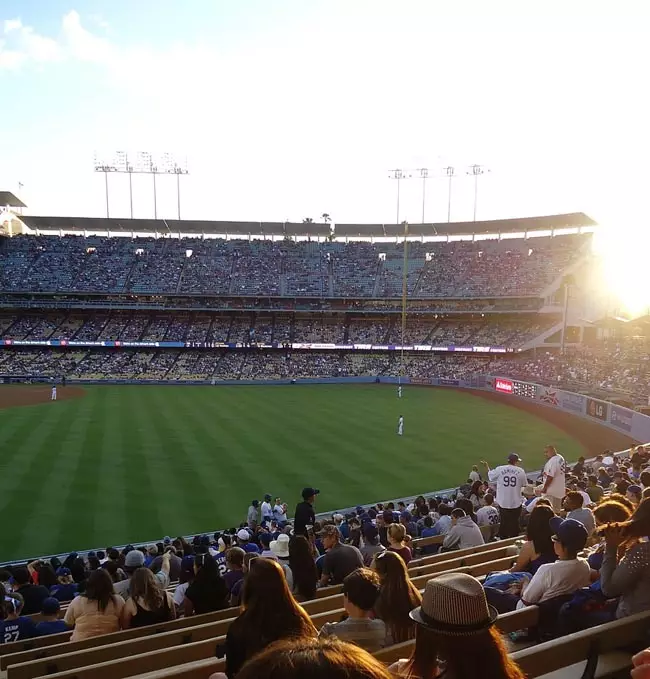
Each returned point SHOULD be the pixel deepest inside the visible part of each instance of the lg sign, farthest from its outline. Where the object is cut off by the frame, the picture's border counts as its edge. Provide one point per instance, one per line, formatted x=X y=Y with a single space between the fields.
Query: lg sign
x=504 y=386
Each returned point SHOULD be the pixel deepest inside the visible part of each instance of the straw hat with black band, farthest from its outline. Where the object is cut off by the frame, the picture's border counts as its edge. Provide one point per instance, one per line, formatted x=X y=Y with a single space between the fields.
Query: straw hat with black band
x=454 y=604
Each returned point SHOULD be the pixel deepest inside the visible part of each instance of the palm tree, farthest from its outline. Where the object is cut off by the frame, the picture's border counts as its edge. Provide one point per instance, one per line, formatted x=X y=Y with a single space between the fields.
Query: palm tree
x=307 y=220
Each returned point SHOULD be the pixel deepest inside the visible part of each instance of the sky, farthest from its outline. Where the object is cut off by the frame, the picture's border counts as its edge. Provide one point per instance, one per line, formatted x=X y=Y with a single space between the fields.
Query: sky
x=287 y=109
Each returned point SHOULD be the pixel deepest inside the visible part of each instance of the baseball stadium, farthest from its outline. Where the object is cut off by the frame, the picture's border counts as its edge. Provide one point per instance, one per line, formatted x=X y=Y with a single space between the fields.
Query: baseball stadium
x=355 y=446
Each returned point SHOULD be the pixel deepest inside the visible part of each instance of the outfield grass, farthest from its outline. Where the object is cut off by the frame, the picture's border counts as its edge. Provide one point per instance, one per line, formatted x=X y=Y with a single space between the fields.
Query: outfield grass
x=136 y=463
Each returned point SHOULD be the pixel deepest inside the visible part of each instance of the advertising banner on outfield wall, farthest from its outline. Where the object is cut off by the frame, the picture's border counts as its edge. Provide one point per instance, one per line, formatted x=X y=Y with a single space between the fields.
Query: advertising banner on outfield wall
x=621 y=418
x=567 y=400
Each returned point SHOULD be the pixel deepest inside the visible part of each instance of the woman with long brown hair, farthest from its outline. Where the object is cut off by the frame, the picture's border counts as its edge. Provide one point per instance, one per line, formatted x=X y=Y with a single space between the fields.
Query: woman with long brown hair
x=398 y=596
x=97 y=611
x=455 y=634
x=538 y=548
x=149 y=604
x=628 y=577
x=314 y=658
x=269 y=613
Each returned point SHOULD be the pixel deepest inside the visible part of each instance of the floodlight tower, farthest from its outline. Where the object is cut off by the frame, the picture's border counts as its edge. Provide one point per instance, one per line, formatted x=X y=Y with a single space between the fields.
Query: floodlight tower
x=142 y=162
x=424 y=173
x=398 y=175
x=449 y=171
x=476 y=171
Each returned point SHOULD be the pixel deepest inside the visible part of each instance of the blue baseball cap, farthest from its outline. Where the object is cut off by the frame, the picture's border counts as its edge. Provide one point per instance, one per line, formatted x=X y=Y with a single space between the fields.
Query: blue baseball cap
x=50 y=606
x=63 y=571
x=513 y=457
x=571 y=533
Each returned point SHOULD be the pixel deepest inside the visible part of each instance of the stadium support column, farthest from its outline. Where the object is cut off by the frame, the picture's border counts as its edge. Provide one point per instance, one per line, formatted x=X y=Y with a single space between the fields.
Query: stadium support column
x=178 y=194
x=131 y=192
x=567 y=283
x=449 y=171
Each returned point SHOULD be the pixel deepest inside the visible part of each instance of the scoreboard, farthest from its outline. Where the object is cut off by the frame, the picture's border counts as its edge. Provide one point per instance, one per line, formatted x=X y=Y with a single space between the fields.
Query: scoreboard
x=516 y=387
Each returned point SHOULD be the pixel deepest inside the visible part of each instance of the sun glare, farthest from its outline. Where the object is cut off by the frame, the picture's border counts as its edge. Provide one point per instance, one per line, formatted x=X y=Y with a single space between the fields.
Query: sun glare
x=624 y=254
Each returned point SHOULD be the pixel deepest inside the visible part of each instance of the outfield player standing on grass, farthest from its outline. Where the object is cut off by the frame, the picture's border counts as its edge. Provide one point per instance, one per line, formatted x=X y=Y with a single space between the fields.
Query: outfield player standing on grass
x=399 y=391
x=400 y=426
x=53 y=397
x=510 y=479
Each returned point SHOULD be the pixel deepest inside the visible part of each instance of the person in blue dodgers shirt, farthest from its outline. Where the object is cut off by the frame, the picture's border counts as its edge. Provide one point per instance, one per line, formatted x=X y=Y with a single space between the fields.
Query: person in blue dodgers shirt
x=14 y=626
x=50 y=621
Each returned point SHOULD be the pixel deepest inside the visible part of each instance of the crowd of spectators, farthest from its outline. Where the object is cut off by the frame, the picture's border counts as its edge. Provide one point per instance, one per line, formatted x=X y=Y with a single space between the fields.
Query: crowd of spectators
x=583 y=559
x=264 y=267
x=265 y=327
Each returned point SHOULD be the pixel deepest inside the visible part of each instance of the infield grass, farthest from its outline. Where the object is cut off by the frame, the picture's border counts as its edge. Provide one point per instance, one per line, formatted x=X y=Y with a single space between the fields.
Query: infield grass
x=135 y=463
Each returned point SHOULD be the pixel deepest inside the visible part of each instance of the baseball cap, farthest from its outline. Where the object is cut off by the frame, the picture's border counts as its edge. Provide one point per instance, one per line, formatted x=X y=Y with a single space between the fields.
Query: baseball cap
x=187 y=564
x=63 y=571
x=265 y=539
x=134 y=559
x=167 y=540
x=267 y=497
x=359 y=509
x=635 y=489
x=513 y=457
x=243 y=534
x=571 y=533
x=309 y=492
x=50 y=606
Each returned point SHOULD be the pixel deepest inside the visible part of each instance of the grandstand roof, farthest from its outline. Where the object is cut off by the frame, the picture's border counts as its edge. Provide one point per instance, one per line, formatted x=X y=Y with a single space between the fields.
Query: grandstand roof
x=174 y=226
x=8 y=199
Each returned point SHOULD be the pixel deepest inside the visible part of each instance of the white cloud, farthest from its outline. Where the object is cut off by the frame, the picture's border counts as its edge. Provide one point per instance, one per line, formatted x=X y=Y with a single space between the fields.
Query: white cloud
x=22 y=45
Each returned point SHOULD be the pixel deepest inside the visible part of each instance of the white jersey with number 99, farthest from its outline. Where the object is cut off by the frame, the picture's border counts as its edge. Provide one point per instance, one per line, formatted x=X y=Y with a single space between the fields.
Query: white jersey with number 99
x=510 y=480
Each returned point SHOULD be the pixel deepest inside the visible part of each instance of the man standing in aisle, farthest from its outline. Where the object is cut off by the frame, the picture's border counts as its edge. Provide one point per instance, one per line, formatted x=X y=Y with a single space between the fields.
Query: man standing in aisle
x=510 y=479
x=304 y=515
x=554 y=479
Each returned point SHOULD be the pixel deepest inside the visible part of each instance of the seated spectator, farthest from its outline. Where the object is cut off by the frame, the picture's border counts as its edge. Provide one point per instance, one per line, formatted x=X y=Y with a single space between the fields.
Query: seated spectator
x=269 y=613
x=398 y=596
x=552 y=580
x=265 y=542
x=66 y=589
x=370 y=543
x=42 y=573
x=538 y=548
x=208 y=591
x=634 y=493
x=573 y=505
x=594 y=489
x=476 y=494
x=185 y=579
x=340 y=560
x=319 y=658
x=14 y=626
x=235 y=563
x=406 y=519
x=488 y=514
x=645 y=479
x=149 y=603
x=50 y=622
x=235 y=593
x=397 y=542
x=244 y=541
x=360 y=593
x=174 y=563
x=628 y=578
x=280 y=549
x=443 y=524
x=455 y=634
x=97 y=611
x=303 y=568
x=134 y=560
x=33 y=596
x=5 y=581
x=464 y=532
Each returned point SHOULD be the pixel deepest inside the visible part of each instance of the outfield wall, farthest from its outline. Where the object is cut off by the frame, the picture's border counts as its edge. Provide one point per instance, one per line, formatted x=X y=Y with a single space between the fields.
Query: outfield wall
x=624 y=420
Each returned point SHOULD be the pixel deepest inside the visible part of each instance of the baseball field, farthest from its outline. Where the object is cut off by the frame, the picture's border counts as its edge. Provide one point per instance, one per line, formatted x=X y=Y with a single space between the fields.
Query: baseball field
x=107 y=465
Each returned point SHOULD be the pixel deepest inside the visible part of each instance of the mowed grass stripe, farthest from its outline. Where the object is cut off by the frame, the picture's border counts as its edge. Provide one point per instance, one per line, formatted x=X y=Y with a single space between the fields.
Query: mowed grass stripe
x=52 y=480
x=80 y=502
